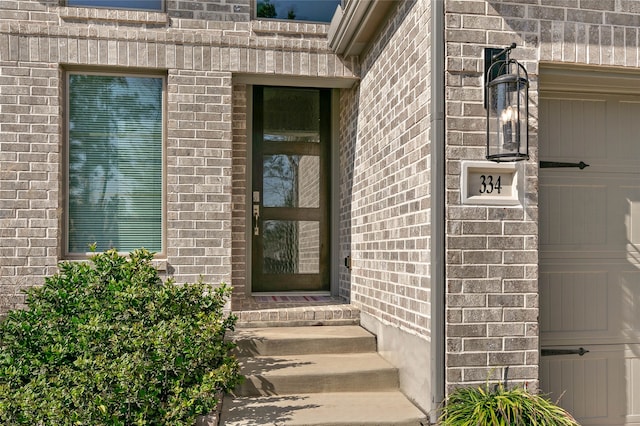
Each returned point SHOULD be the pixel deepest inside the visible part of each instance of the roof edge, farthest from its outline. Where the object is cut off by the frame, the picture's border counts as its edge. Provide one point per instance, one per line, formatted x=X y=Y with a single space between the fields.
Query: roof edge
x=354 y=25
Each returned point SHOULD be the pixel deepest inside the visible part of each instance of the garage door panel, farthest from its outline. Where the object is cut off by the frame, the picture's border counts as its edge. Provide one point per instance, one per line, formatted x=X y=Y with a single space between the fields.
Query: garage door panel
x=589 y=302
x=628 y=128
x=595 y=127
x=574 y=301
x=633 y=226
x=630 y=303
x=585 y=385
x=571 y=213
x=573 y=124
x=591 y=212
x=633 y=384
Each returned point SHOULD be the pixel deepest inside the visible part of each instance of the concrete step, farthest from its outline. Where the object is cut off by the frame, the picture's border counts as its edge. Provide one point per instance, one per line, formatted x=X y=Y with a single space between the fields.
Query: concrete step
x=303 y=340
x=295 y=374
x=323 y=375
x=336 y=409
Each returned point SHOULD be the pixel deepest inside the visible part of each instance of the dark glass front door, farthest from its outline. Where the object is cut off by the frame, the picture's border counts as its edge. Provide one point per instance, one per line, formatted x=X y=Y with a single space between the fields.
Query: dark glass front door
x=290 y=203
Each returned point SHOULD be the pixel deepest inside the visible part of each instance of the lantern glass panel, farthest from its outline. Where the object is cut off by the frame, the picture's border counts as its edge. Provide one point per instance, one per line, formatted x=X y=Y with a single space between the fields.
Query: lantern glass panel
x=507 y=133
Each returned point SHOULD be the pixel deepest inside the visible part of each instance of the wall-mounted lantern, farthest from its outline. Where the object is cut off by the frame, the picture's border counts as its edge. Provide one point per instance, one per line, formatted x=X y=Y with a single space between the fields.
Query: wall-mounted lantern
x=507 y=104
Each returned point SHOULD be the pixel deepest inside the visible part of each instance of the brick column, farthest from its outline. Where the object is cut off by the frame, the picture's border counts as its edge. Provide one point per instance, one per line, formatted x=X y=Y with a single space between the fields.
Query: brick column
x=491 y=252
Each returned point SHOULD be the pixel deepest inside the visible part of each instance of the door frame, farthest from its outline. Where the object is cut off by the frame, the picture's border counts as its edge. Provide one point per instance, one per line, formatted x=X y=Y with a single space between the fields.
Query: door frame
x=334 y=183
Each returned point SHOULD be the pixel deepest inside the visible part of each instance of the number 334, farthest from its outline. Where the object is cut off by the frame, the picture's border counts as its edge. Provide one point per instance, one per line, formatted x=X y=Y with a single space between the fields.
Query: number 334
x=488 y=184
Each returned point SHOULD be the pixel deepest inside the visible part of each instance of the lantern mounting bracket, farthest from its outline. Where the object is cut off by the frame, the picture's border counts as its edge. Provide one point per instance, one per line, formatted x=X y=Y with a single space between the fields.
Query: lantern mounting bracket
x=505 y=51
x=491 y=55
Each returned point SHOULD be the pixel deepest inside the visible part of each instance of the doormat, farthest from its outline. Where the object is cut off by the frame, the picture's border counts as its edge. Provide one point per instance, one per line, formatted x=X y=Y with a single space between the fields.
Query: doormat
x=293 y=299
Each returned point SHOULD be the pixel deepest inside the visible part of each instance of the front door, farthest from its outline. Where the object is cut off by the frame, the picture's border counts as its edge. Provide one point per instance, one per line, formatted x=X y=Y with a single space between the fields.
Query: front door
x=289 y=200
x=590 y=255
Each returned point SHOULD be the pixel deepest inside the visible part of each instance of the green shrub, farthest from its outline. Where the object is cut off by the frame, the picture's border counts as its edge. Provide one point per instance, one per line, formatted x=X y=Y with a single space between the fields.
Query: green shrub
x=483 y=406
x=107 y=342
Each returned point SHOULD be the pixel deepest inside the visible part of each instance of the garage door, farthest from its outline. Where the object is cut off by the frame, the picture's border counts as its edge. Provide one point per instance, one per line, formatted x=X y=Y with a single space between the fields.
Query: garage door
x=590 y=254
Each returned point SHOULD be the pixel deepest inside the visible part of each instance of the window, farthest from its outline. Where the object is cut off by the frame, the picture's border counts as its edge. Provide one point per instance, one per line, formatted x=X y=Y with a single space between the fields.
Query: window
x=299 y=10
x=115 y=162
x=119 y=4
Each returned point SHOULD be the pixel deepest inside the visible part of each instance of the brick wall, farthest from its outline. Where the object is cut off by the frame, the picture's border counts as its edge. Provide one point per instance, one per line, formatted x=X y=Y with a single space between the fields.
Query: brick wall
x=348 y=137
x=199 y=174
x=29 y=175
x=238 y=196
x=385 y=175
x=205 y=145
x=209 y=10
x=492 y=302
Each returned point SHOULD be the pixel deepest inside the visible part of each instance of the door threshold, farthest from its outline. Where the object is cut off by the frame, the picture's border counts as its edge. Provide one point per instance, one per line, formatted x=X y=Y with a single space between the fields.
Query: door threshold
x=299 y=299
x=292 y=293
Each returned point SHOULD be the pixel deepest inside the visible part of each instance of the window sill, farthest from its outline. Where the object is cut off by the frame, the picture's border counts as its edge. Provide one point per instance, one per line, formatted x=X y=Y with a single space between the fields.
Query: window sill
x=97 y=15
x=160 y=263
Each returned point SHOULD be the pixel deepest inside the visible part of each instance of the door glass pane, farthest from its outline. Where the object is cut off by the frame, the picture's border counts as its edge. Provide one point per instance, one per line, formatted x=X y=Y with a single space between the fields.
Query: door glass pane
x=291 y=247
x=291 y=115
x=291 y=181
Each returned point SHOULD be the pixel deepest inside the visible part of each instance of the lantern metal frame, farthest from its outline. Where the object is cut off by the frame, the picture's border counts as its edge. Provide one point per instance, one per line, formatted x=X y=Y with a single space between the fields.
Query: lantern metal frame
x=507 y=105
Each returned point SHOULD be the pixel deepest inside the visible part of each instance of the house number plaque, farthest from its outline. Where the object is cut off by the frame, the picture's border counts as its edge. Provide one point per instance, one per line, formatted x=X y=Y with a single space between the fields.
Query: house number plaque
x=489 y=183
